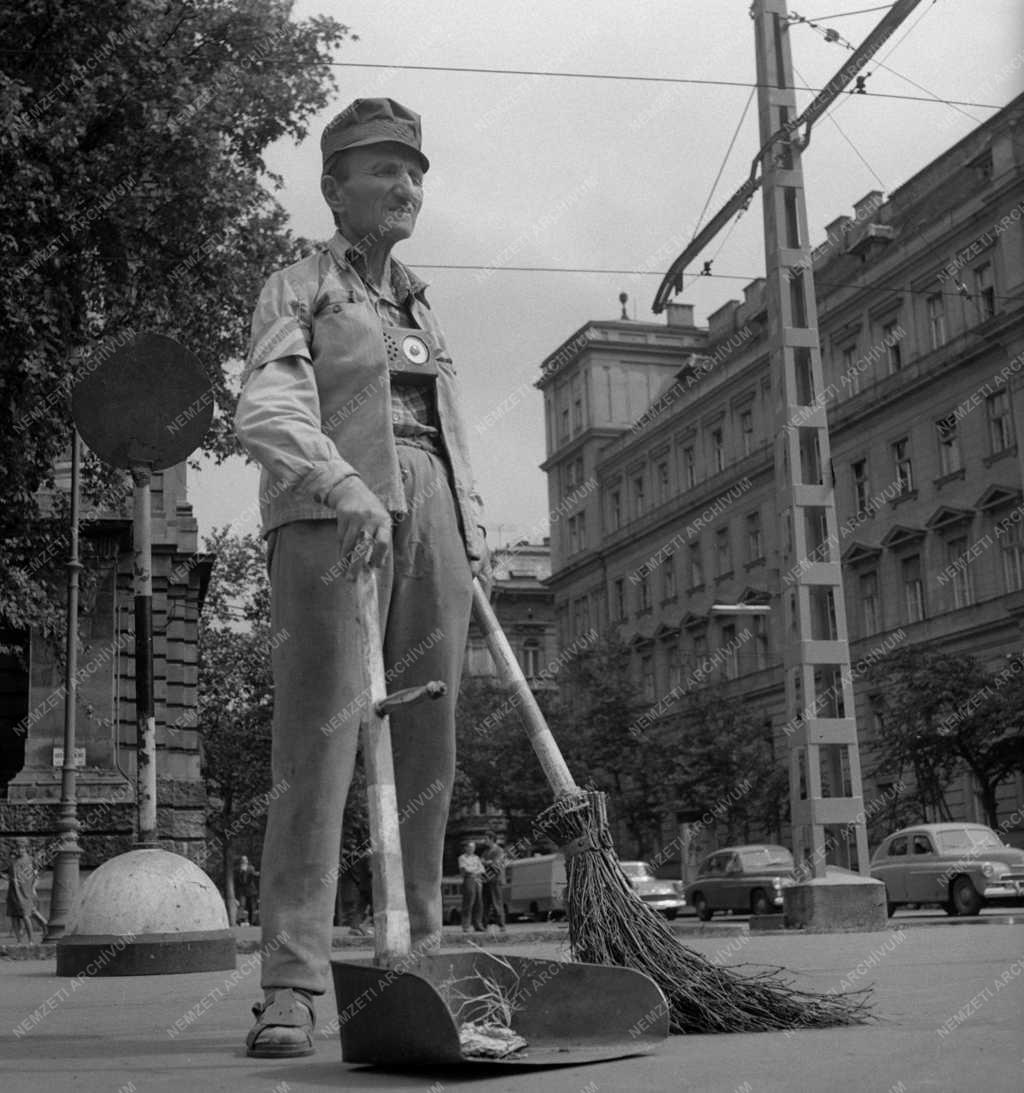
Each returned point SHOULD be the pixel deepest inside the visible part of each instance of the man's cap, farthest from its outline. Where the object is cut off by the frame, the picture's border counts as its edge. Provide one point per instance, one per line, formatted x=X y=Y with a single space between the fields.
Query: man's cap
x=373 y=121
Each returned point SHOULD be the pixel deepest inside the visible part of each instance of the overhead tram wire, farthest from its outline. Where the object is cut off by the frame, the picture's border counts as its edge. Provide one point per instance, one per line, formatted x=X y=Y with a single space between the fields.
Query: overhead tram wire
x=468 y=267
x=270 y=59
x=856 y=151
x=725 y=160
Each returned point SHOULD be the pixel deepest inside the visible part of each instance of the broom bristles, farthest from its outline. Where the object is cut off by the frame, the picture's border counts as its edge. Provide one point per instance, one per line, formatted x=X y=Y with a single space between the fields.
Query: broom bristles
x=609 y=924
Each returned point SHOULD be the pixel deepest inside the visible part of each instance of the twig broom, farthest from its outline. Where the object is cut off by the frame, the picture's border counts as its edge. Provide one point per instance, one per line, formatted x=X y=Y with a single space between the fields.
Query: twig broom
x=609 y=923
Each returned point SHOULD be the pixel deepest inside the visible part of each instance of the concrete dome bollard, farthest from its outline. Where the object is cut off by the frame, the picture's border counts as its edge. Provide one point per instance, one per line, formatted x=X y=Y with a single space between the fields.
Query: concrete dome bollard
x=146 y=912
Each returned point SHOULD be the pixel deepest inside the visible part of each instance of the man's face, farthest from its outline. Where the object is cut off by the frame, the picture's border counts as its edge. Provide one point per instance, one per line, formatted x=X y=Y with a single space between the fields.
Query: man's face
x=380 y=194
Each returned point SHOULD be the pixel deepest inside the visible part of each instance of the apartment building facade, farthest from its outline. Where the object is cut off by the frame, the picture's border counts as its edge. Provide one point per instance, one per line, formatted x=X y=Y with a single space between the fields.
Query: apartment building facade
x=921 y=321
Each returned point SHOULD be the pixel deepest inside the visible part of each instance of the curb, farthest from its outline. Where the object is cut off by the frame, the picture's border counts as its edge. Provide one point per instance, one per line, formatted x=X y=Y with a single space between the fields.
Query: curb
x=456 y=939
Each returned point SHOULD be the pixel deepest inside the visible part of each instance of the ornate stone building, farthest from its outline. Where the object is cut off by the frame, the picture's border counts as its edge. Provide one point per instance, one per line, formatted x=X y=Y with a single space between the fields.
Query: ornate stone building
x=32 y=689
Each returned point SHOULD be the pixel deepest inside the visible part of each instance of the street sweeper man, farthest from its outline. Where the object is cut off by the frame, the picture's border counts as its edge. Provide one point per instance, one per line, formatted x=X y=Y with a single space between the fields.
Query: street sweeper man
x=350 y=404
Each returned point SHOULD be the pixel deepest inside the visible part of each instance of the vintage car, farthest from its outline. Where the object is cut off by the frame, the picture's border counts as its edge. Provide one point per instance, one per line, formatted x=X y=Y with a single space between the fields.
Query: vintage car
x=660 y=895
x=747 y=879
x=960 y=866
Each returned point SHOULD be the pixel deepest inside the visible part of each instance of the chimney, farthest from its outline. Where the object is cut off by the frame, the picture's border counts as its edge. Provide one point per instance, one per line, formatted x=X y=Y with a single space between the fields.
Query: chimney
x=868 y=205
x=679 y=314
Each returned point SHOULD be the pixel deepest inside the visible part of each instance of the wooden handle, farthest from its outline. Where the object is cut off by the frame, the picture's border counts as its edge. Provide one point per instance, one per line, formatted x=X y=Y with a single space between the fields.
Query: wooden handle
x=391 y=938
x=555 y=769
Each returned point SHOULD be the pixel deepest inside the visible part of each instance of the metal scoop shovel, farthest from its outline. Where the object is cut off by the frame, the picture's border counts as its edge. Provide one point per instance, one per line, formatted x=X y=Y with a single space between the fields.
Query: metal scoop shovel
x=406 y=1008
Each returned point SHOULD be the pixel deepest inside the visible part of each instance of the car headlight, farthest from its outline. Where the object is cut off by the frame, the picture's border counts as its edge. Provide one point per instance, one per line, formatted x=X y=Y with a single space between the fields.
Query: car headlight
x=994 y=870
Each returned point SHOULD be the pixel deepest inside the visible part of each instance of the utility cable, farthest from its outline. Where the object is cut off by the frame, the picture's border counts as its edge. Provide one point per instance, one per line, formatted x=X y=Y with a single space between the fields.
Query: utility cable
x=856 y=150
x=454 y=266
x=725 y=160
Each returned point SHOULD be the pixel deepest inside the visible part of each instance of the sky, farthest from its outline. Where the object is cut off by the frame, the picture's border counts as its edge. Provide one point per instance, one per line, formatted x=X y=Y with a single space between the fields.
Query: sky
x=610 y=174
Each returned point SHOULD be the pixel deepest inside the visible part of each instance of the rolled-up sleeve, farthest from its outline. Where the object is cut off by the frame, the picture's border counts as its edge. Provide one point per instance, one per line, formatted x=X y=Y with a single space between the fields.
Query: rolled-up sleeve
x=278 y=418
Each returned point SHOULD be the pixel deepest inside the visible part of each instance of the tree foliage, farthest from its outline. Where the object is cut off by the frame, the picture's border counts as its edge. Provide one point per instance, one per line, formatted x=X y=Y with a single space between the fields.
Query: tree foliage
x=136 y=198
x=723 y=764
x=236 y=692
x=941 y=714
x=496 y=765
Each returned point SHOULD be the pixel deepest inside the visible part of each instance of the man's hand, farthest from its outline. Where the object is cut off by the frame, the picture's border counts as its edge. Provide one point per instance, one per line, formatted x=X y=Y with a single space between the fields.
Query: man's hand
x=364 y=527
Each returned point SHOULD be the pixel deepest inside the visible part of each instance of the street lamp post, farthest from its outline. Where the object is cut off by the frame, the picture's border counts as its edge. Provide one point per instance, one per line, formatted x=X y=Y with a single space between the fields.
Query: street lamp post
x=65 y=869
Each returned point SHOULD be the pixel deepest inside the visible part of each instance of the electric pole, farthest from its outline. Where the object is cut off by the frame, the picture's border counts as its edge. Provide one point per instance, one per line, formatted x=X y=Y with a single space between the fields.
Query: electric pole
x=821 y=731
x=824 y=761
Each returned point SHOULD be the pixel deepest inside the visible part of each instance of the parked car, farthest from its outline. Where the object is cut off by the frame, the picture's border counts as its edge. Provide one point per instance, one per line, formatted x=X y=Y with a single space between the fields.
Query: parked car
x=747 y=879
x=665 y=896
x=960 y=866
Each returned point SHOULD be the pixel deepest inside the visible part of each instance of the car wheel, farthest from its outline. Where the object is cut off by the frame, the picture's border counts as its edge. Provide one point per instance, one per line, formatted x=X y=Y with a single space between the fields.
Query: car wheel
x=964 y=897
x=759 y=903
x=671 y=913
x=700 y=905
x=534 y=912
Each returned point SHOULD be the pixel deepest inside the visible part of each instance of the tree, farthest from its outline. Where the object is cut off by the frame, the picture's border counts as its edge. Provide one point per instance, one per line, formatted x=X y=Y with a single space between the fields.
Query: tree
x=496 y=764
x=607 y=746
x=941 y=713
x=723 y=764
x=236 y=693
x=136 y=198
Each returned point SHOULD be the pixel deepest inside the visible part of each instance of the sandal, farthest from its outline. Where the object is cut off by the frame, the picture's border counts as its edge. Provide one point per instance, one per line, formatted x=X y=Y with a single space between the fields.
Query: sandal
x=284 y=1026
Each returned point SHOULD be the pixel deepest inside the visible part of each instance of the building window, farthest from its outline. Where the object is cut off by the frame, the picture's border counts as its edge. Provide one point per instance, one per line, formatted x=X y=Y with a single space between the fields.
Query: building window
x=759 y=625
x=957 y=563
x=531 y=658
x=913 y=588
x=747 y=431
x=871 y=618
x=723 y=552
x=564 y=426
x=851 y=373
x=859 y=470
x=984 y=292
x=574 y=535
x=755 y=547
x=577 y=404
x=675 y=668
x=983 y=167
x=619 y=599
x=647 y=677
x=903 y=465
x=1000 y=424
x=1013 y=558
x=893 y=349
x=700 y=649
x=663 y=482
x=615 y=510
x=668 y=579
x=696 y=565
x=638 y=496
x=729 y=651
x=936 y=320
x=717 y=449
x=689 y=468
x=645 y=593
x=949 y=445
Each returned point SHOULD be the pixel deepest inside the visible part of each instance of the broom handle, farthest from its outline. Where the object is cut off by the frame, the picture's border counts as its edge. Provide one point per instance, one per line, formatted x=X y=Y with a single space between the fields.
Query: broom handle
x=555 y=770
x=391 y=936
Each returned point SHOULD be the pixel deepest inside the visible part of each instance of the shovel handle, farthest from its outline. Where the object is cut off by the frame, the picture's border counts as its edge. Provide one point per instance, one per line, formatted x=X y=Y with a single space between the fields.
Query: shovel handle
x=391 y=935
x=547 y=750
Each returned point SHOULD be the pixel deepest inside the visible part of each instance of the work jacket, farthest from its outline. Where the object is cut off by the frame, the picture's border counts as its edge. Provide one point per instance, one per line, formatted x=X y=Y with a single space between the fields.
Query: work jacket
x=315 y=405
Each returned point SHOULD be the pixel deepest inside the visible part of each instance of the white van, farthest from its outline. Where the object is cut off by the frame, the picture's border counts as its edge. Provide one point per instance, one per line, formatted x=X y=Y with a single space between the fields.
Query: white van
x=536 y=886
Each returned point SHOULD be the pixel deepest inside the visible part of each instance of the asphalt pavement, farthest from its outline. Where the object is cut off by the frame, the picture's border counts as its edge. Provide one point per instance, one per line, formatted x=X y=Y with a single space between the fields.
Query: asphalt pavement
x=948 y=1005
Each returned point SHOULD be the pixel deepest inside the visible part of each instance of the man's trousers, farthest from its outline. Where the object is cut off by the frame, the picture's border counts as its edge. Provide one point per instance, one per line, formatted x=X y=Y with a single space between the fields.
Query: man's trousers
x=320 y=698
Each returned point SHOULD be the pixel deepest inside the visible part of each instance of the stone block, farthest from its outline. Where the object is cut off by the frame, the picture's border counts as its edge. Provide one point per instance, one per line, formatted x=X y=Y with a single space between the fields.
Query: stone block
x=835 y=904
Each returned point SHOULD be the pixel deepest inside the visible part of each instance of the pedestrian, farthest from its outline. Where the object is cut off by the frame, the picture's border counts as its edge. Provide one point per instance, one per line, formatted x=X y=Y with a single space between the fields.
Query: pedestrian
x=246 y=891
x=21 y=892
x=493 y=858
x=350 y=404
x=471 y=869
